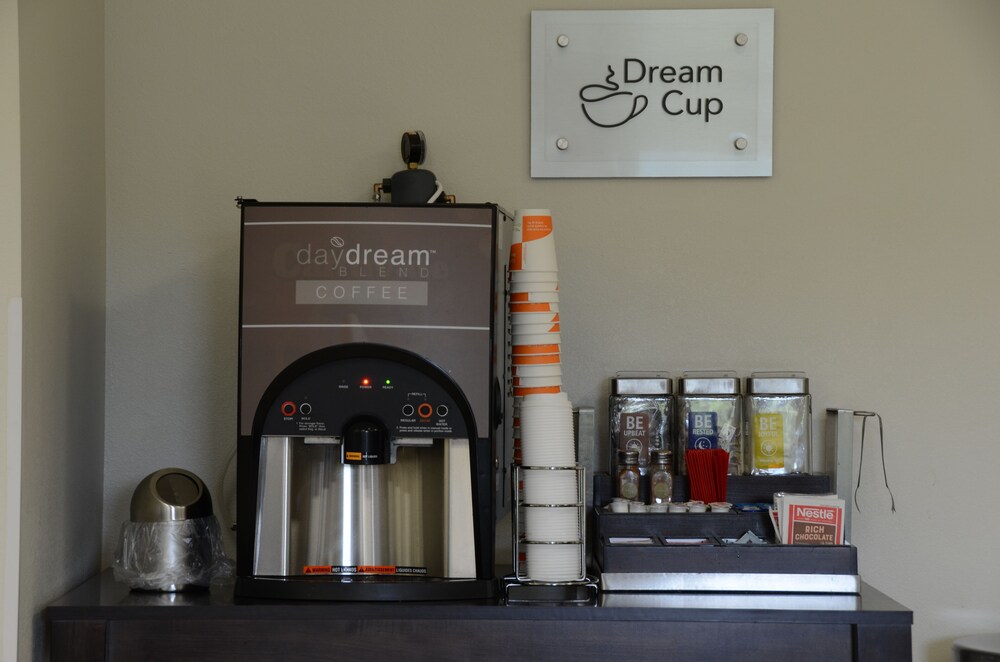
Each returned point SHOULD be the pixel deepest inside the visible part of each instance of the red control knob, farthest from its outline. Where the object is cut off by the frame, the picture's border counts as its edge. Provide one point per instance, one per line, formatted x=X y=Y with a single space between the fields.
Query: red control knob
x=288 y=408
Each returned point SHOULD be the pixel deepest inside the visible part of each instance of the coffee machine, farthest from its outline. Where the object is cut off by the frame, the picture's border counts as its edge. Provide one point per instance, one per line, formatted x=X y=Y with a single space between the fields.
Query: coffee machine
x=374 y=419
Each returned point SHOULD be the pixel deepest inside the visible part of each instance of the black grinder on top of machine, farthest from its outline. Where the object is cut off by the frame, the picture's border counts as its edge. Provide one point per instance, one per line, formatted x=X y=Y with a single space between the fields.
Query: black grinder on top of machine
x=374 y=430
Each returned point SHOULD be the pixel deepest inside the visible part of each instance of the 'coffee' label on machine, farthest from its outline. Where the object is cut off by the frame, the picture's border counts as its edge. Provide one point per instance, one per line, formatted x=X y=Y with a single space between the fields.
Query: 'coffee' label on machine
x=360 y=292
x=703 y=429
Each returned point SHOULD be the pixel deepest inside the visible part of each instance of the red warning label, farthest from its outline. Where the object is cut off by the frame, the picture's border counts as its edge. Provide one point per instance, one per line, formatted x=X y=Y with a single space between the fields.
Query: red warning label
x=363 y=570
x=317 y=569
x=377 y=569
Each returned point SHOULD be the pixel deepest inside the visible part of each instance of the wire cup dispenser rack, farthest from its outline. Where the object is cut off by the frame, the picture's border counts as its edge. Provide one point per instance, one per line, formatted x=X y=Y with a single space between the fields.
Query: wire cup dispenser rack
x=549 y=541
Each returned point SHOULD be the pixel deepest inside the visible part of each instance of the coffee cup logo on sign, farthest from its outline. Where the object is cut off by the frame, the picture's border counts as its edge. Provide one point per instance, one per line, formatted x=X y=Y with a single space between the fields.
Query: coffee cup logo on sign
x=608 y=102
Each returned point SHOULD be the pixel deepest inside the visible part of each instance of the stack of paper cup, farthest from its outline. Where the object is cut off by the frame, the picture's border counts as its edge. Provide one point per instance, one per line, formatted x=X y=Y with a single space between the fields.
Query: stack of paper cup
x=546 y=421
x=551 y=495
x=534 y=305
x=553 y=562
x=551 y=515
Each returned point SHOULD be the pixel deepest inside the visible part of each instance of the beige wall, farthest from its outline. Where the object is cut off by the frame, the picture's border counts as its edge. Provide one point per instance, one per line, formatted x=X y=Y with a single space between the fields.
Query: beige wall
x=867 y=259
x=10 y=287
x=63 y=286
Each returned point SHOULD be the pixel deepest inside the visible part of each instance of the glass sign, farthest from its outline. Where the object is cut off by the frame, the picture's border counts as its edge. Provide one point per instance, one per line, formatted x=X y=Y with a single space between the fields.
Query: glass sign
x=660 y=93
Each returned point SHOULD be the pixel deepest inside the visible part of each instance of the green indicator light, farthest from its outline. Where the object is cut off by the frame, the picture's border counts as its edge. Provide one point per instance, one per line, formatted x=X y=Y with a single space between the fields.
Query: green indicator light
x=388 y=382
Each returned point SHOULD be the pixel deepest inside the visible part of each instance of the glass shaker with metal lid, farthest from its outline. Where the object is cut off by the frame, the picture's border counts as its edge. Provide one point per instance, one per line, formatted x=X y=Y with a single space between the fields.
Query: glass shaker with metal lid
x=628 y=476
x=640 y=414
x=661 y=478
x=710 y=415
x=779 y=422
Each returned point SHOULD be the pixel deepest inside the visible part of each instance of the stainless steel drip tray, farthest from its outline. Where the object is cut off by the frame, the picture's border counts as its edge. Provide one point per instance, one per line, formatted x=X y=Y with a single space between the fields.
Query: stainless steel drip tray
x=743 y=601
x=730 y=582
x=705 y=564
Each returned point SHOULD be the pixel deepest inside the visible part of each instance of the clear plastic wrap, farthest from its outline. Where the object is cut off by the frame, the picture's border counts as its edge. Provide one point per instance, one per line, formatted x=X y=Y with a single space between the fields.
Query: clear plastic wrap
x=780 y=428
x=639 y=423
x=171 y=556
x=711 y=421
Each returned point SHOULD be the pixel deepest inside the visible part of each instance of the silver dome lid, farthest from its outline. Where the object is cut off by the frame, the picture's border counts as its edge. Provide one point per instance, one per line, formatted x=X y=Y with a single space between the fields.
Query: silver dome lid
x=170 y=495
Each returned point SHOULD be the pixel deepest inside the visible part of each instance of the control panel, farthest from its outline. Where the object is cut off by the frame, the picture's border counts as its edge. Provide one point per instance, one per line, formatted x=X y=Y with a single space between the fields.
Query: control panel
x=410 y=401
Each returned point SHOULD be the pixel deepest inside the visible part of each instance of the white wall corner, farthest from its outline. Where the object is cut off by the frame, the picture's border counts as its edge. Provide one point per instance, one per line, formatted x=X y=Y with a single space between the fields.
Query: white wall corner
x=12 y=485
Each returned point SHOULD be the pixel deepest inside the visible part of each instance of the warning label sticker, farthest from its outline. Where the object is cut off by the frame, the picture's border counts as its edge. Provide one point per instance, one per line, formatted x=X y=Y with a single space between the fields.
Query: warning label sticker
x=317 y=570
x=363 y=570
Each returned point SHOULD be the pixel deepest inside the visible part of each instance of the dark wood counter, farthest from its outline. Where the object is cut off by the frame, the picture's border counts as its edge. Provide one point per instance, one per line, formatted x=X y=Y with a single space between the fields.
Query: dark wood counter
x=103 y=620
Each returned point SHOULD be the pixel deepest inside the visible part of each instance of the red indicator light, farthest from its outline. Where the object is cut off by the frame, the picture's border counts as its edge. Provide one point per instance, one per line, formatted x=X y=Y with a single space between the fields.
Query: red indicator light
x=365 y=381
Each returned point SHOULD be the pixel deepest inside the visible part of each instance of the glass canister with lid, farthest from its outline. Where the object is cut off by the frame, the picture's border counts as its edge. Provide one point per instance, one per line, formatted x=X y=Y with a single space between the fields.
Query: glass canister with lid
x=779 y=423
x=710 y=415
x=640 y=414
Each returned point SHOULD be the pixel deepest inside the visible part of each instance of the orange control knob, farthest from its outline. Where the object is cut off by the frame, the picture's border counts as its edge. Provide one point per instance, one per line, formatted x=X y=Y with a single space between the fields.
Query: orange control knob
x=288 y=408
x=425 y=410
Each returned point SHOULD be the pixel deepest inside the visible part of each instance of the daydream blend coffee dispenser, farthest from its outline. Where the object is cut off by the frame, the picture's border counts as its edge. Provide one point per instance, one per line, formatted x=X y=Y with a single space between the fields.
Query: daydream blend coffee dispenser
x=373 y=421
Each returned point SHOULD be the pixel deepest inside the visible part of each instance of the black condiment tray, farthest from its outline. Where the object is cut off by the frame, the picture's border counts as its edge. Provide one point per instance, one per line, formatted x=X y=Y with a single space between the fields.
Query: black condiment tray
x=739 y=489
x=718 y=554
x=716 y=526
